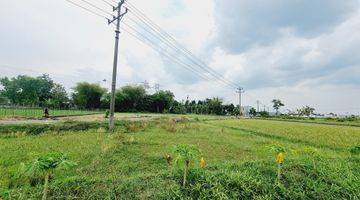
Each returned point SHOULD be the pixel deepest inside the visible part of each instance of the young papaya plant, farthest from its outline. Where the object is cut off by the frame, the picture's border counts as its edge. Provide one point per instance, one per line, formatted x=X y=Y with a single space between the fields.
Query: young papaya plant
x=45 y=166
x=185 y=154
x=280 y=157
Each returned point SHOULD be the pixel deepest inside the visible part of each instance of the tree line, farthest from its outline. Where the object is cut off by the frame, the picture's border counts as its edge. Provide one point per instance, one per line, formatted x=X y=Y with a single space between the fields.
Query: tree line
x=42 y=91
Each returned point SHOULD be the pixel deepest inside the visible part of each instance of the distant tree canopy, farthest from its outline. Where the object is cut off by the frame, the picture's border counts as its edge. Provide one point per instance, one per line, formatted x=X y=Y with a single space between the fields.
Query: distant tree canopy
x=277 y=104
x=162 y=100
x=31 y=91
x=59 y=97
x=43 y=92
x=306 y=111
x=252 y=112
x=130 y=98
x=87 y=95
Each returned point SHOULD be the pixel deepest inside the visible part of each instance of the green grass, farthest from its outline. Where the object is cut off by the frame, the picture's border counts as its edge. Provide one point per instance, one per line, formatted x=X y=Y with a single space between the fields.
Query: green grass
x=38 y=112
x=329 y=121
x=130 y=163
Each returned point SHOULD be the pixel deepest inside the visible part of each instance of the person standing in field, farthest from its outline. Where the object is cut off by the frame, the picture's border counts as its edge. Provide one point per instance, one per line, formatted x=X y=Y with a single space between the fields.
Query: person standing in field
x=46 y=113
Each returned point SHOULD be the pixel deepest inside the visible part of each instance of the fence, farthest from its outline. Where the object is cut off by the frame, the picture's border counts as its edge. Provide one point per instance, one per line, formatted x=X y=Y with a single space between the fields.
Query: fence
x=10 y=111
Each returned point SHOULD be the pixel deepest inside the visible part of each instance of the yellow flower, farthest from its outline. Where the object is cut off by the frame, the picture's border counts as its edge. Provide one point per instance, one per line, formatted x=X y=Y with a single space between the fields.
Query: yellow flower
x=280 y=158
x=202 y=163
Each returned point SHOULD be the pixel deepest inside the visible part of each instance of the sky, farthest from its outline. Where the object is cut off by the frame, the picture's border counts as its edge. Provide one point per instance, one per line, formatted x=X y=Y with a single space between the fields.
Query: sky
x=302 y=52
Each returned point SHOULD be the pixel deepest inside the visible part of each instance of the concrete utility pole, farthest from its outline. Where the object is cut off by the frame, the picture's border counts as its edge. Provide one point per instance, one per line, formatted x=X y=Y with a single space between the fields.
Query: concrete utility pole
x=258 y=104
x=240 y=91
x=113 y=83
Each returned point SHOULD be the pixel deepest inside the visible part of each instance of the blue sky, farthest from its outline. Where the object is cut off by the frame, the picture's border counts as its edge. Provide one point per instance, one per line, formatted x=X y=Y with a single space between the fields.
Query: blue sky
x=303 y=52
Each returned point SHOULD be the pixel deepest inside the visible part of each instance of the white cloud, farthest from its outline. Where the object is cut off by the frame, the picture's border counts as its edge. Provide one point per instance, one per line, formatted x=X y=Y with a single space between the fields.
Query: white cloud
x=278 y=59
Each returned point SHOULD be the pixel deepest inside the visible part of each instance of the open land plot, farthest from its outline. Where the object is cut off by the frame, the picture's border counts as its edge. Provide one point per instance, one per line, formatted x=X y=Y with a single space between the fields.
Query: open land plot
x=131 y=164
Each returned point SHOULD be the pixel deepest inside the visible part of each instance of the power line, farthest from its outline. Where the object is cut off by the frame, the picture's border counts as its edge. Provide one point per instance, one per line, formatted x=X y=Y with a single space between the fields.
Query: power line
x=186 y=56
x=86 y=9
x=162 y=51
x=153 y=47
x=149 y=42
x=194 y=69
x=166 y=36
x=98 y=8
x=107 y=2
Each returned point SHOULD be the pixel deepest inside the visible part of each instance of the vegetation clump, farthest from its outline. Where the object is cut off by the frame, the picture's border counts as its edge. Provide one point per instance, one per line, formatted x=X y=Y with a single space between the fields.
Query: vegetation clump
x=184 y=155
x=44 y=166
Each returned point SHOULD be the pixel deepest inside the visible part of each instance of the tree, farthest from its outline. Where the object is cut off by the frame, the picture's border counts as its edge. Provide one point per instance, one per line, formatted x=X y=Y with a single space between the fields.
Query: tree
x=229 y=109
x=162 y=100
x=58 y=97
x=215 y=106
x=236 y=111
x=45 y=85
x=264 y=114
x=87 y=95
x=130 y=98
x=252 y=112
x=105 y=101
x=277 y=104
x=26 y=90
x=306 y=110
x=177 y=108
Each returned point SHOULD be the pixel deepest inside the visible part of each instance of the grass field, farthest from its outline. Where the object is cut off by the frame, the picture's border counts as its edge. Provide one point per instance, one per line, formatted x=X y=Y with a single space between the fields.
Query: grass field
x=38 y=112
x=328 y=121
x=131 y=164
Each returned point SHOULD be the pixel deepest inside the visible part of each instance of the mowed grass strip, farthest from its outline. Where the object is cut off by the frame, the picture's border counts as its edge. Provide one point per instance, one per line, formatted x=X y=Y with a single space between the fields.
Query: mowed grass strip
x=317 y=135
x=131 y=163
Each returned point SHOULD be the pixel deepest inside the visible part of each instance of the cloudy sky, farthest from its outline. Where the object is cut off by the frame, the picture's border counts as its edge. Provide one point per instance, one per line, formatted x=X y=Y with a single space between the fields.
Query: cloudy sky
x=302 y=52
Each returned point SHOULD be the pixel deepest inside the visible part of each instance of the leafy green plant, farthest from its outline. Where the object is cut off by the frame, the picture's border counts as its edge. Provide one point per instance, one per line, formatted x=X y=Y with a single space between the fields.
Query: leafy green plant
x=45 y=166
x=184 y=155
